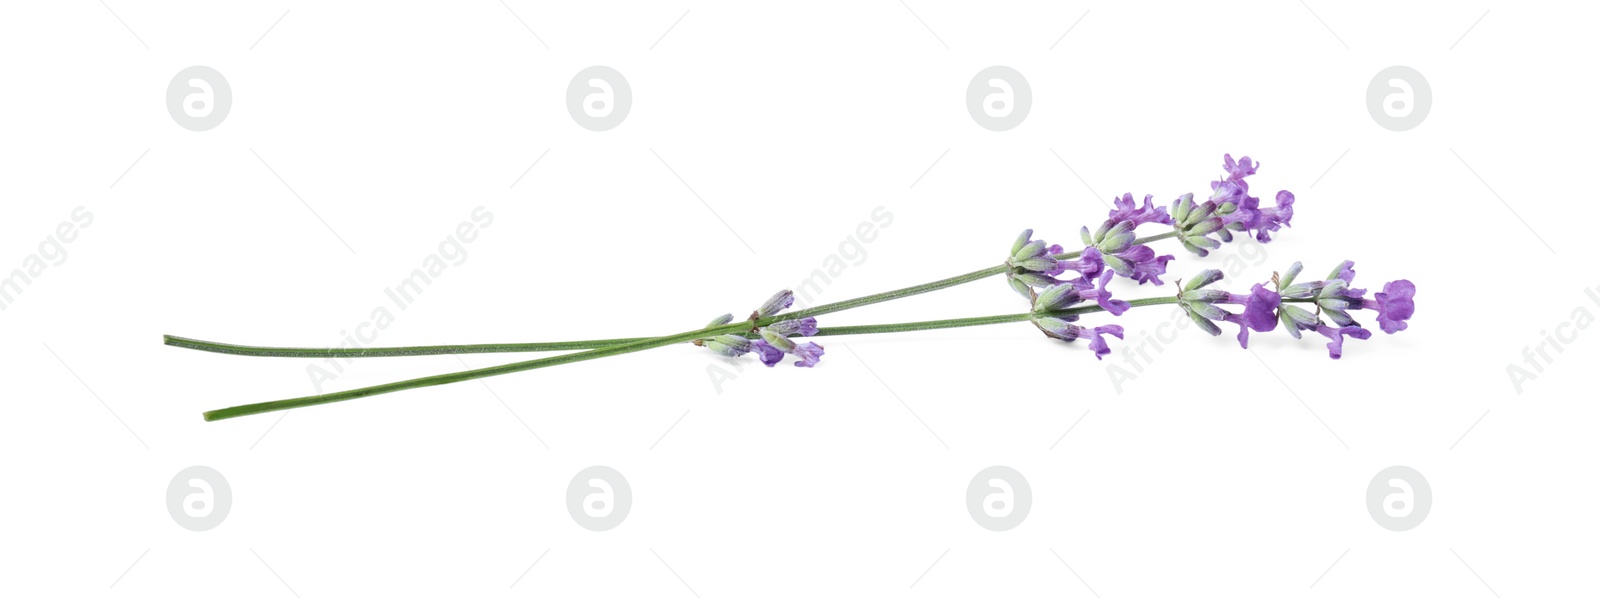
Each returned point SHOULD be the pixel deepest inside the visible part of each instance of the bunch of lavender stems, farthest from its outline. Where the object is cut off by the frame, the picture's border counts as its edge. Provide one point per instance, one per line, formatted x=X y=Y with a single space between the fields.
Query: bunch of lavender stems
x=1032 y=270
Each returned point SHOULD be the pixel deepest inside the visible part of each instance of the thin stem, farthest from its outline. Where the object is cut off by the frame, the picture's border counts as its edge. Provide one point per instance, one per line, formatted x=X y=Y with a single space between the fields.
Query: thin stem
x=1153 y=238
x=333 y=397
x=829 y=308
x=343 y=352
x=738 y=327
x=978 y=321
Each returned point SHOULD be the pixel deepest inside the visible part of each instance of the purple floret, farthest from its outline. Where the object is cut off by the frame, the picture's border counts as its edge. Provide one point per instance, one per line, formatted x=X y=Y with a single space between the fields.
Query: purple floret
x=1272 y=219
x=1238 y=170
x=1102 y=296
x=770 y=355
x=1098 y=341
x=1336 y=337
x=802 y=327
x=808 y=354
x=1394 y=305
x=1126 y=211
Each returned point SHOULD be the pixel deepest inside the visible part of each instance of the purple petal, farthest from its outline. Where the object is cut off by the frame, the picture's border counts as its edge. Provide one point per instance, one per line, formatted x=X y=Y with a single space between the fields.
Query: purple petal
x=1098 y=342
x=1126 y=211
x=770 y=355
x=779 y=302
x=802 y=327
x=1244 y=329
x=1238 y=170
x=1146 y=267
x=1336 y=337
x=1089 y=264
x=1346 y=272
x=1272 y=219
x=1395 y=305
x=809 y=354
x=1261 y=309
x=1103 y=296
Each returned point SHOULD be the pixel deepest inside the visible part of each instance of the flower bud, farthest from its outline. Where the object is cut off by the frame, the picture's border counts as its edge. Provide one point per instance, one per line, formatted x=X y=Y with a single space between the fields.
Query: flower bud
x=779 y=302
x=779 y=341
x=1022 y=239
x=1287 y=278
x=1206 y=295
x=1205 y=277
x=1205 y=324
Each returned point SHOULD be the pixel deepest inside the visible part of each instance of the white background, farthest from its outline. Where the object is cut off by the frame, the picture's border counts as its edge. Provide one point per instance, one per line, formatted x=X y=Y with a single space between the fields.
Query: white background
x=1215 y=471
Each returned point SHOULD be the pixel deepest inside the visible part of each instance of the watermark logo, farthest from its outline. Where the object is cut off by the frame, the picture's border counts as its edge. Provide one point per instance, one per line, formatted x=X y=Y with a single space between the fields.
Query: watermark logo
x=1398 y=498
x=51 y=253
x=599 y=498
x=198 y=98
x=1398 y=98
x=198 y=498
x=599 y=98
x=451 y=252
x=998 y=498
x=999 y=98
x=851 y=253
x=1139 y=354
x=1542 y=355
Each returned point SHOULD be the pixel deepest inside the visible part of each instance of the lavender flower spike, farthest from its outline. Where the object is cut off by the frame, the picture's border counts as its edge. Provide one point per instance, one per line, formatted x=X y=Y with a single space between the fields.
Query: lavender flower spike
x=1112 y=246
x=1230 y=209
x=774 y=341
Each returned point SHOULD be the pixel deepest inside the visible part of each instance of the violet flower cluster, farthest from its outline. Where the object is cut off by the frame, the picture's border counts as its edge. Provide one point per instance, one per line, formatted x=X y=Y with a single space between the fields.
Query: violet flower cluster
x=1112 y=250
x=1230 y=209
x=1278 y=302
x=772 y=341
x=1056 y=298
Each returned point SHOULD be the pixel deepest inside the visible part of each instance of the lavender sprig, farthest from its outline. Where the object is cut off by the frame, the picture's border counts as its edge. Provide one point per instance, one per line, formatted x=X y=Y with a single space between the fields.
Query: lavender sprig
x=1034 y=268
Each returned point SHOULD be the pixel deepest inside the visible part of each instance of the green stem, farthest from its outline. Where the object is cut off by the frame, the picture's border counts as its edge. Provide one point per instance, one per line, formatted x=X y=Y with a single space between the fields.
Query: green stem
x=978 y=321
x=343 y=352
x=829 y=308
x=333 y=397
x=651 y=343
x=1153 y=238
